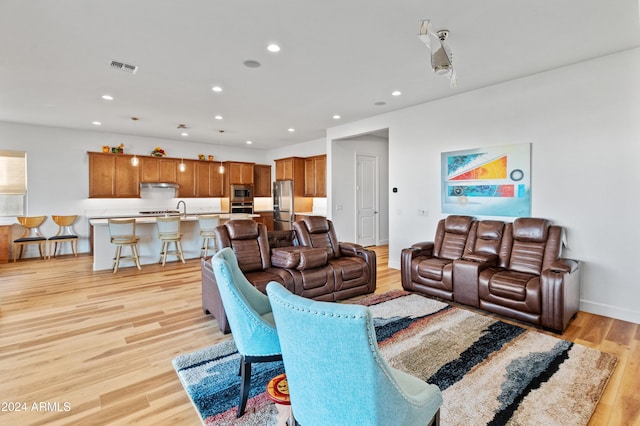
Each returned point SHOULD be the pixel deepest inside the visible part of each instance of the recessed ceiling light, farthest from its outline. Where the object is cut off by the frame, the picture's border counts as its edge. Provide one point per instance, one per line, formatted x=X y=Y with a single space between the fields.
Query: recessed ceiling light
x=336 y=117
x=217 y=89
x=291 y=129
x=396 y=93
x=249 y=142
x=380 y=103
x=252 y=64
x=184 y=134
x=273 y=48
x=97 y=123
x=107 y=97
x=218 y=117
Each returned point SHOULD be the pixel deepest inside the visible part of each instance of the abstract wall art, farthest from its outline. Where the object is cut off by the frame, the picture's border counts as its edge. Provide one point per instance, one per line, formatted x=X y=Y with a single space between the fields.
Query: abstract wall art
x=491 y=181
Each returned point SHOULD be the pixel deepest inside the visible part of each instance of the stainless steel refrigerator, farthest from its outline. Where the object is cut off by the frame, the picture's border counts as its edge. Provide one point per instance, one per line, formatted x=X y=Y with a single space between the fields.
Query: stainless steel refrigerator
x=283 y=205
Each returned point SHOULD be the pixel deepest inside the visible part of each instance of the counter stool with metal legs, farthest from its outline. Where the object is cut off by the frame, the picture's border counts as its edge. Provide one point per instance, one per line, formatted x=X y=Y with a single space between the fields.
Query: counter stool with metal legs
x=169 y=232
x=208 y=224
x=31 y=235
x=65 y=235
x=123 y=233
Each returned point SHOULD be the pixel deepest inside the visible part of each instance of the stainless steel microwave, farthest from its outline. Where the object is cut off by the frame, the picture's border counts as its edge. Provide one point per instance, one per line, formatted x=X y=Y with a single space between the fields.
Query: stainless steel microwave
x=241 y=193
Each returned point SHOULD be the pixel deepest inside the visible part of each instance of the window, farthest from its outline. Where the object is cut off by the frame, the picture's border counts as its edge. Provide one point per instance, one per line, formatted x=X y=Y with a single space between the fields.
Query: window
x=13 y=183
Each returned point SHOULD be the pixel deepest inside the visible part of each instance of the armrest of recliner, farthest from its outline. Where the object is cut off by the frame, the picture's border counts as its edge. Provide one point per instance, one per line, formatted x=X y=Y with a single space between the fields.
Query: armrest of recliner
x=490 y=259
x=424 y=248
x=560 y=286
x=564 y=265
x=350 y=249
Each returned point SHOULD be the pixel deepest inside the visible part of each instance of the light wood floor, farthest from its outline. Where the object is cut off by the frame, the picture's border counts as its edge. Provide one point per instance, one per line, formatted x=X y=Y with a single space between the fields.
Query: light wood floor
x=93 y=348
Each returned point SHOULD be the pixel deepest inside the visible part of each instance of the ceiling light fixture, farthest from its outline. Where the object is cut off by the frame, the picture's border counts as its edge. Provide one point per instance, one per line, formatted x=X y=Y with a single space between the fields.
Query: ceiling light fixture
x=96 y=123
x=273 y=48
x=252 y=64
x=107 y=97
x=291 y=129
x=182 y=167
x=218 y=117
x=217 y=89
x=134 y=160
x=184 y=134
x=221 y=168
x=396 y=93
x=249 y=142
x=336 y=117
x=441 y=57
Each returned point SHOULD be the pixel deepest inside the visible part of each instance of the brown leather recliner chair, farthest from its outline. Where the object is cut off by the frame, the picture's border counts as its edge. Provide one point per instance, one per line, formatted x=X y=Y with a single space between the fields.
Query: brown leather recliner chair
x=250 y=243
x=354 y=266
x=427 y=267
x=531 y=282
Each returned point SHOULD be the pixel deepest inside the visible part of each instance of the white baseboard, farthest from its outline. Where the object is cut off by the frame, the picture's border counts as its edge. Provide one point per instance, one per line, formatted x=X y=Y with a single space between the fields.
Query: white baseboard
x=610 y=311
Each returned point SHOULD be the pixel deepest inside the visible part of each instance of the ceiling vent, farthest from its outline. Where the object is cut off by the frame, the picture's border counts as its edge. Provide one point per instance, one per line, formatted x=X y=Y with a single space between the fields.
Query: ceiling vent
x=131 y=69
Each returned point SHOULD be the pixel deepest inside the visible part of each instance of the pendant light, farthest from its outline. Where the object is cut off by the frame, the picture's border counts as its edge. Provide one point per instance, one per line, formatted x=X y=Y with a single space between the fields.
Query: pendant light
x=221 y=168
x=182 y=167
x=134 y=160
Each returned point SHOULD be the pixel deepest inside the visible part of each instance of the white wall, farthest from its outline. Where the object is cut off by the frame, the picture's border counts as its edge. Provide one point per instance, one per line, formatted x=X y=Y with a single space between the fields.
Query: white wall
x=343 y=188
x=58 y=171
x=583 y=122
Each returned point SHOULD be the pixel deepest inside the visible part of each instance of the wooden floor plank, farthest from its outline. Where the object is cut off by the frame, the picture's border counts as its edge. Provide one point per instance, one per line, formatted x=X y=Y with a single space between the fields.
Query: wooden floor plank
x=103 y=343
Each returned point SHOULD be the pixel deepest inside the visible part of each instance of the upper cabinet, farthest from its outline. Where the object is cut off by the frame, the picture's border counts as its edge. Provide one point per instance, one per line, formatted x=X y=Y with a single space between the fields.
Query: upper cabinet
x=261 y=180
x=315 y=176
x=209 y=181
x=291 y=168
x=187 y=179
x=239 y=173
x=154 y=169
x=113 y=175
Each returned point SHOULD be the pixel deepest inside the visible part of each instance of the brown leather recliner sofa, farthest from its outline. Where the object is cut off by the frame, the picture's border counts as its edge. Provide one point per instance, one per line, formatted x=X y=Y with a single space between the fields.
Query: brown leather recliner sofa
x=328 y=272
x=511 y=269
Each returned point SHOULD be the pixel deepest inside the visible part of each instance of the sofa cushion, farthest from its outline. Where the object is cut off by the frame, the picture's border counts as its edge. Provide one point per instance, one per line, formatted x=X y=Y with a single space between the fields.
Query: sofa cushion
x=530 y=229
x=510 y=285
x=432 y=268
x=245 y=230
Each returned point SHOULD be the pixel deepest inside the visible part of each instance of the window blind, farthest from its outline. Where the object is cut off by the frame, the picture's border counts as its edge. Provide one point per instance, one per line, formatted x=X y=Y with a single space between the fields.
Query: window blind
x=13 y=172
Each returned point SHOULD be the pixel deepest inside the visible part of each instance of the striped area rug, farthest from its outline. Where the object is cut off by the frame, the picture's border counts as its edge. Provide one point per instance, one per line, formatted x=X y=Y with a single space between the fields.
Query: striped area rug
x=490 y=372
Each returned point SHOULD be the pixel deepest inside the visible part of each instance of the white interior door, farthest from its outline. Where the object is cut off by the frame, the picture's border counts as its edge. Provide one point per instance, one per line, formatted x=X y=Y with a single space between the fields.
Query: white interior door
x=367 y=199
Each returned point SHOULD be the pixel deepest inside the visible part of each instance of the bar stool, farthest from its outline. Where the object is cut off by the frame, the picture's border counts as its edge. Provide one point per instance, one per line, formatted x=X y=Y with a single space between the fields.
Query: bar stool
x=65 y=235
x=169 y=232
x=208 y=224
x=31 y=235
x=123 y=233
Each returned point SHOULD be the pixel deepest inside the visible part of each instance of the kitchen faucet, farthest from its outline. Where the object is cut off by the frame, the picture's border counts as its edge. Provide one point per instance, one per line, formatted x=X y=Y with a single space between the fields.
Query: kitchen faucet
x=184 y=205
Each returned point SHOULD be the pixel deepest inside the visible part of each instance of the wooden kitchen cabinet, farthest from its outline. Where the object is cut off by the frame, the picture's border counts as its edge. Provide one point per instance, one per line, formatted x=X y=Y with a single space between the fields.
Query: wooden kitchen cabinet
x=291 y=168
x=261 y=180
x=209 y=181
x=315 y=176
x=266 y=218
x=153 y=169
x=5 y=237
x=239 y=173
x=187 y=179
x=113 y=176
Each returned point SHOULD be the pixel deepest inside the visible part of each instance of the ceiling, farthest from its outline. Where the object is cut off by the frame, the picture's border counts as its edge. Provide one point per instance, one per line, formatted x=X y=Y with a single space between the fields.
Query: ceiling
x=337 y=57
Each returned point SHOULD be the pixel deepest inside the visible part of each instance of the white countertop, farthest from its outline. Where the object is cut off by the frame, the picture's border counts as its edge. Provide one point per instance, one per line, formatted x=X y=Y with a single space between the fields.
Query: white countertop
x=152 y=219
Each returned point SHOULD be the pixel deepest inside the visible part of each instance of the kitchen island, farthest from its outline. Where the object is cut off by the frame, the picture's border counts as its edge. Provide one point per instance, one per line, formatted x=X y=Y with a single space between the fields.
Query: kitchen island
x=149 y=245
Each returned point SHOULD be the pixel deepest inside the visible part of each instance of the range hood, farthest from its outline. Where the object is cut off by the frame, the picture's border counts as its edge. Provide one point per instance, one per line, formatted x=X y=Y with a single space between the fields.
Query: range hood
x=160 y=185
x=158 y=190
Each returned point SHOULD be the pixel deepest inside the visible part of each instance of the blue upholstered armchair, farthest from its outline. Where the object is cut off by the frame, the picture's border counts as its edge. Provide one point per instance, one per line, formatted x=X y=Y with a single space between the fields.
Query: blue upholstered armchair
x=250 y=318
x=336 y=374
